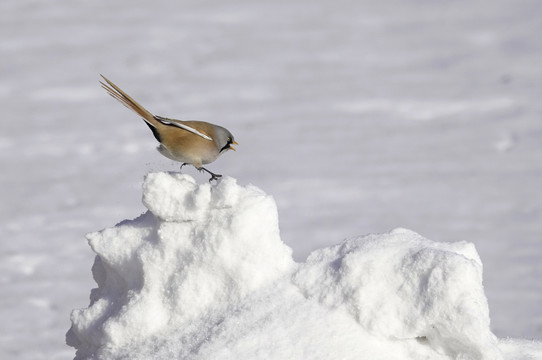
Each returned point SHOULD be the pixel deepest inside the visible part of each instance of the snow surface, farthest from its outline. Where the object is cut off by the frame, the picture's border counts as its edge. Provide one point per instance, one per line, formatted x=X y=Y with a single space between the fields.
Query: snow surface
x=358 y=117
x=204 y=275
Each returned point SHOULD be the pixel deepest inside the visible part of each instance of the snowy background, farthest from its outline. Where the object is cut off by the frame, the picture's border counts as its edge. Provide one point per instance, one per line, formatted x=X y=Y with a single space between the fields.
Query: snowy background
x=358 y=117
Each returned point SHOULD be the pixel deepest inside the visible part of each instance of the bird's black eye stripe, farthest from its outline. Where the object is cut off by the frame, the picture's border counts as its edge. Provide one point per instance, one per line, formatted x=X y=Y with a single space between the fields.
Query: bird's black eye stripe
x=227 y=146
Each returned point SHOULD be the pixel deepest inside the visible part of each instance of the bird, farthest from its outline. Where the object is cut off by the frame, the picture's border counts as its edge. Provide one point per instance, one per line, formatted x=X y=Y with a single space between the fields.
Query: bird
x=190 y=142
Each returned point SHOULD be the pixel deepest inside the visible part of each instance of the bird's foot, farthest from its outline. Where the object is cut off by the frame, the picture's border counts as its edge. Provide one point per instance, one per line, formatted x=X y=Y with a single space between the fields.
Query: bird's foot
x=213 y=175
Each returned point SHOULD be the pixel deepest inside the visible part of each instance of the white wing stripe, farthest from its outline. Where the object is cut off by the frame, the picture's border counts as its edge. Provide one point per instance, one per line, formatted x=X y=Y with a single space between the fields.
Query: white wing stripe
x=166 y=121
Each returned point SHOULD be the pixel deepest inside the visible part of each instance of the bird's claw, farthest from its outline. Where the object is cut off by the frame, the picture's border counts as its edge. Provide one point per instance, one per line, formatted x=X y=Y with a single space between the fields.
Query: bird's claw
x=215 y=177
x=201 y=169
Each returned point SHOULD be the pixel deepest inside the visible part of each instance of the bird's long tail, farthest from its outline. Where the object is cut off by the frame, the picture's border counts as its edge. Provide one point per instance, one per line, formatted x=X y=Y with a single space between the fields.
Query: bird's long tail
x=155 y=123
x=127 y=101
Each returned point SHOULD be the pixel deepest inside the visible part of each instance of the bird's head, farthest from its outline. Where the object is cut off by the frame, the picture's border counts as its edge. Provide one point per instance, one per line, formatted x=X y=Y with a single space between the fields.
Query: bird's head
x=224 y=139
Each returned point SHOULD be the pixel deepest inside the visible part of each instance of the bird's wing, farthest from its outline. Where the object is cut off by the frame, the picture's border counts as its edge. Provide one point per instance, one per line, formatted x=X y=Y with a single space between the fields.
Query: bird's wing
x=172 y=122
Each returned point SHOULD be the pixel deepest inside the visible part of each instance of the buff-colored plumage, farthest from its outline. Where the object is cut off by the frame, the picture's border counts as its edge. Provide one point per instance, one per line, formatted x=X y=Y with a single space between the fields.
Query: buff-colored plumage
x=190 y=142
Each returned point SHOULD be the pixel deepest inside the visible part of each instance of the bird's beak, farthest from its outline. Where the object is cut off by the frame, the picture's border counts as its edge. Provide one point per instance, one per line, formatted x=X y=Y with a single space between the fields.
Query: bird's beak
x=235 y=143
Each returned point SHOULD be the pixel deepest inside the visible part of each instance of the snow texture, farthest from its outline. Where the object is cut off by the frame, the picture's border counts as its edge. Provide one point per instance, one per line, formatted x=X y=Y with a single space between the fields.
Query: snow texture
x=204 y=275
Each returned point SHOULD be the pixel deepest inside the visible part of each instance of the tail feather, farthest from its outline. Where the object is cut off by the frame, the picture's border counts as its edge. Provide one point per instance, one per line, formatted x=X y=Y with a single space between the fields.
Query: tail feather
x=155 y=123
x=127 y=101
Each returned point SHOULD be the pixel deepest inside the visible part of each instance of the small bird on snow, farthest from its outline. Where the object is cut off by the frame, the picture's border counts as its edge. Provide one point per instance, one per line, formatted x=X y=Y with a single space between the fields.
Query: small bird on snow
x=190 y=142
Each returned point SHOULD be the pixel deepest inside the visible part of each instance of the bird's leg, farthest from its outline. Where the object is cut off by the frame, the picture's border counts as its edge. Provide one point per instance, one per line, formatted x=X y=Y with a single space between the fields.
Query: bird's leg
x=213 y=175
x=181 y=168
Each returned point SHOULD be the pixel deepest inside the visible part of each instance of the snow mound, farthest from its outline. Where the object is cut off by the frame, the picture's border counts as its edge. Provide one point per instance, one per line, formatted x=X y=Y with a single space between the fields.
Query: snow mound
x=204 y=275
x=402 y=286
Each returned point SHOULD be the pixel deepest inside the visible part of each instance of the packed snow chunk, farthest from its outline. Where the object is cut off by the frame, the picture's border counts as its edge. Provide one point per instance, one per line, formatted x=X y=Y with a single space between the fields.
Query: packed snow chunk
x=204 y=275
x=198 y=251
x=403 y=286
